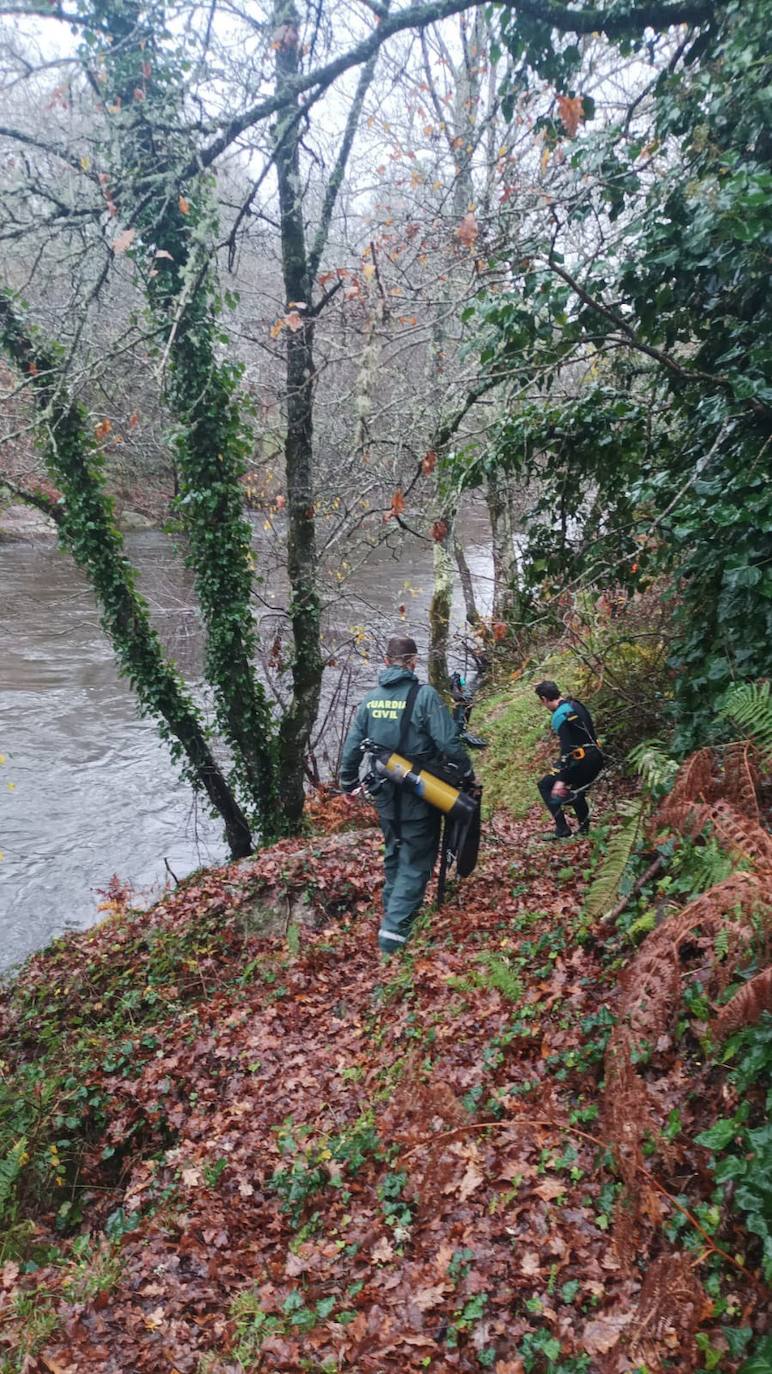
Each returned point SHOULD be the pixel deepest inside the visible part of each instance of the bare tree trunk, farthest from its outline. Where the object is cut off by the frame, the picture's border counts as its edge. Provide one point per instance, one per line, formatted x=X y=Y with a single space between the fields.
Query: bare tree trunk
x=299 y=269
x=467 y=586
x=442 y=600
x=460 y=135
x=499 y=505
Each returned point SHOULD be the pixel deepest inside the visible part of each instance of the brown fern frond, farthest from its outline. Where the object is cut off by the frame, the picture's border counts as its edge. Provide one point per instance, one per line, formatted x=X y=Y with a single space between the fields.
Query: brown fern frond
x=650 y=994
x=695 y=780
x=625 y=1229
x=735 y=831
x=684 y=817
x=739 y=784
x=747 y=891
x=645 y=1006
x=747 y=1005
x=740 y=833
x=650 y=990
x=671 y=1305
x=626 y=1111
x=694 y=783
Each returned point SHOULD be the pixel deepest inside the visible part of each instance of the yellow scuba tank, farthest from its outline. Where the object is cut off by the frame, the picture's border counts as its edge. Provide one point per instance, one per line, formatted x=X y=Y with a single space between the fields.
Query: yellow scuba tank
x=431 y=789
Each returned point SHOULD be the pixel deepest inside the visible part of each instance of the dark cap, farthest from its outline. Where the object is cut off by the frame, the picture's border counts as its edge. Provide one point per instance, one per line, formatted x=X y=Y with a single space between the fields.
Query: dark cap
x=401 y=646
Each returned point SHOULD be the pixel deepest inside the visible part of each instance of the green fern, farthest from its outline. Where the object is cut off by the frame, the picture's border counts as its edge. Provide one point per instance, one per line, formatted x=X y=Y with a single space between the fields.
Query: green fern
x=750 y=707
x=10 y=1168
x=656 y=769
x=495 y=973
x=606 y=886
x=500 y=976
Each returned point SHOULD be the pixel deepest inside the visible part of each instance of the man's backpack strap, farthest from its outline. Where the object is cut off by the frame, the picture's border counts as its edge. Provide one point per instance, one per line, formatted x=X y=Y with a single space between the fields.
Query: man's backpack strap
x=407 y=716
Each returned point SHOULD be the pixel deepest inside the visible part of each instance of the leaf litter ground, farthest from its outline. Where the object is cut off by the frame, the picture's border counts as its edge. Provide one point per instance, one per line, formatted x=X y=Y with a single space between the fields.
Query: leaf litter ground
x=299 y=1159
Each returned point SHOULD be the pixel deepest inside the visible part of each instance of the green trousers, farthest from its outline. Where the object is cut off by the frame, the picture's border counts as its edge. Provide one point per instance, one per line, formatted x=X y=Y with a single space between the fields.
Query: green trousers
x=408 y=867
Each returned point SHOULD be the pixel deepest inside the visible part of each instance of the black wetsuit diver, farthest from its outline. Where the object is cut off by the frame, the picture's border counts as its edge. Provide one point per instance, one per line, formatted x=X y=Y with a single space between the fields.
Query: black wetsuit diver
x=580 y=762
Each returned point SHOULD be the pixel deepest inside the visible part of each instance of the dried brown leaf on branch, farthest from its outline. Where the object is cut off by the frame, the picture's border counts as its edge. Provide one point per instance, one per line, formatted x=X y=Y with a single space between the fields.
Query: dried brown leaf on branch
x=467 y=230
x=571 y=111
x=397 y=506
x=124 y=240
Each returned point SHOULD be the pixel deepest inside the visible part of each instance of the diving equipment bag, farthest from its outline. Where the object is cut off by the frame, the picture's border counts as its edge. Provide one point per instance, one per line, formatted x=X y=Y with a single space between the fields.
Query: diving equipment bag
x=460 y=807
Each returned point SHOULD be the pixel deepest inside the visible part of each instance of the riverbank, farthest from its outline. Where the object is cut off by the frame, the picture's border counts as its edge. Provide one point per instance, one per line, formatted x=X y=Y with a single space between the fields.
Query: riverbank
x=234 y=1141
x=23 y=523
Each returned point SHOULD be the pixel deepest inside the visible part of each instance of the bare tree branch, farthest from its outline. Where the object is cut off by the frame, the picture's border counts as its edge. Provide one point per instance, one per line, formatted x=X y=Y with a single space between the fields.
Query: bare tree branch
x=418 y=17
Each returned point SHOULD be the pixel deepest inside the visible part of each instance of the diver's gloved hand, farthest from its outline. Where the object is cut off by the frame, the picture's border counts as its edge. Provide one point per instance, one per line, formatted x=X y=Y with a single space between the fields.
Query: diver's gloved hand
x=472 y=741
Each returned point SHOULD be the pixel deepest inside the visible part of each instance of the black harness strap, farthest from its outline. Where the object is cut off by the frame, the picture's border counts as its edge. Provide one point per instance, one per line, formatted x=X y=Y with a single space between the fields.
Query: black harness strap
x=407 y=716
x=592 y=742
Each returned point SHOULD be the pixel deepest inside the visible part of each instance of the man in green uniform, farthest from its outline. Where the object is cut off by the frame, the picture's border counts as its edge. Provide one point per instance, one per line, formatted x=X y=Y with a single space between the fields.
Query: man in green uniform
x=411 y=828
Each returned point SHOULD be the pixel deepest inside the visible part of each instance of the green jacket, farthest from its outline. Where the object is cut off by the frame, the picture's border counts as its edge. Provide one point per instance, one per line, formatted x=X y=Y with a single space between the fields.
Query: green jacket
x=432 y=735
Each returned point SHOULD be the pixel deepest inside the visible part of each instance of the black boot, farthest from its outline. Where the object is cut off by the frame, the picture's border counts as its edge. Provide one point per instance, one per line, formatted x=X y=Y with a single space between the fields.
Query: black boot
x=561 y=833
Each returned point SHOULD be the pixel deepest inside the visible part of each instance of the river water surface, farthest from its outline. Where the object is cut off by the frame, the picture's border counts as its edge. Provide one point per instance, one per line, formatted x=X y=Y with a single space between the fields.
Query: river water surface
x=88 y=790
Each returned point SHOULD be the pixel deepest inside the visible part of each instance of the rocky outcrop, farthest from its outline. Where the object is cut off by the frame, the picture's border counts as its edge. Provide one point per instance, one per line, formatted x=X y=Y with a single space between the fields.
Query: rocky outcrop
x=134 y=520
x=20 y=522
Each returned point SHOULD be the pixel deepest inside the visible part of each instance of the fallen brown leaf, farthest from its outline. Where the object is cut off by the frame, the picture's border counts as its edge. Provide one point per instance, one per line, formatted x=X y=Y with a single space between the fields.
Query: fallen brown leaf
x=601 y=1335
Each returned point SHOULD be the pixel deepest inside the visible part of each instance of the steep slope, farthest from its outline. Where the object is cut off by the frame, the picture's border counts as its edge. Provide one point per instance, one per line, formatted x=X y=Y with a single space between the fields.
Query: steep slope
x=246 y=1145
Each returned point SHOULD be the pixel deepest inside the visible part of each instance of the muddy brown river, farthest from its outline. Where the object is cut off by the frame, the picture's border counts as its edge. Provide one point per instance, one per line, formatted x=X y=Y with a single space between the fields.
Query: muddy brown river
x=87 y=789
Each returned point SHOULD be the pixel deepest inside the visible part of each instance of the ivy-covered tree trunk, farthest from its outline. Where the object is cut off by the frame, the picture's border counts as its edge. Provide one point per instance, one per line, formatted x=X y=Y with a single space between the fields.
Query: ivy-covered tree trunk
x=175 y=224
x=302 y=561
x=87 y=529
